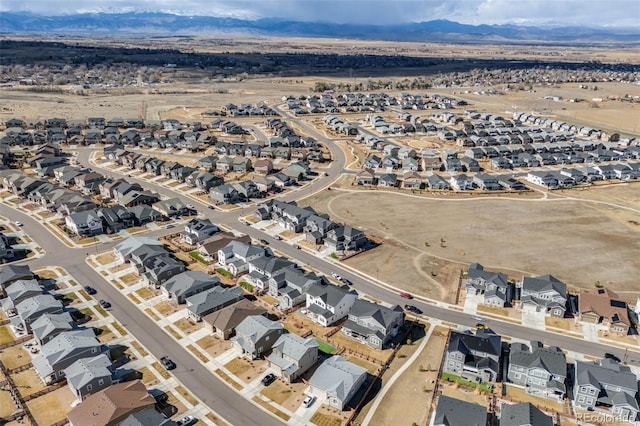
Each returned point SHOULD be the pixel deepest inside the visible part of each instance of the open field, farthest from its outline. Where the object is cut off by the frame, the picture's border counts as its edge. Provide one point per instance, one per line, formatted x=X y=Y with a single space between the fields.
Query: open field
x=506 y=233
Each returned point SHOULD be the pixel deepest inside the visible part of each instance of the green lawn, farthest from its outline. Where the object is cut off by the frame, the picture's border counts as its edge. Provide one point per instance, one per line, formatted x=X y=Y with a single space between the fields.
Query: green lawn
x=247 y=286
x=325 y=347
x=197 y=256
x=453 y=378
x=224 y=272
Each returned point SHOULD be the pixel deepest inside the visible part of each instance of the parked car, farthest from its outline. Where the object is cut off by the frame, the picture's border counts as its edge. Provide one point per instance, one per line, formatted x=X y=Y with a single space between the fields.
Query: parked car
x=19 y=224
x=414 y=309
x=277 y=237
x=210 y=207
x=187 y=421
x=105 y=304
x=265 y=242
x=268 y=379
x=90 y=290
x=308 y=401
x=167 y=363
x=191 y=206
x=169 y=226
x=336 y=276
x=346 y=281
x=406 y=295
x=297 y=247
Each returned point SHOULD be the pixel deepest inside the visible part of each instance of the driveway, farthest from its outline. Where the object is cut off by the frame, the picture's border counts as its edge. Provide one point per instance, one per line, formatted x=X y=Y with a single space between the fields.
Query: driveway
x=533 y=318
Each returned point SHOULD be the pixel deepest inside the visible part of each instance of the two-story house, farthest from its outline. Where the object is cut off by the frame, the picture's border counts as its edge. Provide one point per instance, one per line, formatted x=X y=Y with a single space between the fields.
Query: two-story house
x=602 y=306
x=608 y=387
x=541 y=371
x=87 y=376
x=48 y=326
x=372 y=323
x=493 y=286
x=197 y=230
x=475 y=357
x=544 y=293
x=345 y=237
x=327 y=304
x=84 y=223
x=336 y=381
x=188 y=283
x=236 y=255
x=212 y=300
x=292 y=355
x=255 y=336
x=290 y=286
x=62 y=351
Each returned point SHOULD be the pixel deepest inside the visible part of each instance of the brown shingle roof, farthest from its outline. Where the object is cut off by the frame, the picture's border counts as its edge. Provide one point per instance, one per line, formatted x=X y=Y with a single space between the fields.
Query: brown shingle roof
x=111 y=405
x=213 y=244
x=605 y=303
x=229 y=317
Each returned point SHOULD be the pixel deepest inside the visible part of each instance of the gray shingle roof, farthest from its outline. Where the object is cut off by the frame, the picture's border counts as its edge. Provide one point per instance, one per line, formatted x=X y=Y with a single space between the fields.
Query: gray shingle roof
x=455 y=412
x=523 y=414
x=46 y=324
x=211 y=299
x=383 y=315
x=187 y=280
x=330 y=294
x=131 y=244
x=551 y=359
x=84 y=370
x=605 y=372
x=337 y=377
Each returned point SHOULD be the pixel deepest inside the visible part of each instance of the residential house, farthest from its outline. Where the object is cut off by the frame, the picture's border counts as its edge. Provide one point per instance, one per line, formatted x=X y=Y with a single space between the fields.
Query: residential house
x=389 y=180
x=289 y=285
x=171 y=207
x=137 y=198
x=452 y=411
x=207 y=163
x=263 y=166
x=223 y=322
x=437 y=182
x=241 y=165
x=365 y=177
x=327 y=304
x=541 y=371
x=108 y=186
x=475 y=357
x=293 y=355
x=372 y=323
x=602 y=306
x=336 y=381
x=188 y=283
x=461 y=182
x=255 y=336
x=345 y=237
x=144 y=214
x=208 y=248
x=87 y=376
x=89 y=182
x=411 y=180
x=48 y=326
x=63 y=350
x=11 y=273
x=32 y=308
x=197 y=230
x=160 y=268
x=125 y=250
x=607 y=387
x=544 y=293
x=523 y=414
x=116 y=218
x=18 y=291
x=212 y=300
x=84 y=223
x=225 y=194
x=235 y=256
x=493 y=286
x=120 y=188
x=112 y=406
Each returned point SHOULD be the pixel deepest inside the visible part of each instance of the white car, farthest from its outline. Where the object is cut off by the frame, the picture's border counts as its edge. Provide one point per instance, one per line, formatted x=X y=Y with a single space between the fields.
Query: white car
x=336 y=276
x=19 y=224
x=308 y=401
x=191 y=206
x=186 y=421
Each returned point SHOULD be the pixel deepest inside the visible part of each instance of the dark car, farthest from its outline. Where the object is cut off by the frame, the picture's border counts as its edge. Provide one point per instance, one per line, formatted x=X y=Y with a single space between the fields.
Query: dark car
x=105 y=304
x=167 y=363
x=210 y=207
x=90 y=290
x=265 y=242
x=612 y=357
x=268 y=379
x=346 y=281
x=413 y=309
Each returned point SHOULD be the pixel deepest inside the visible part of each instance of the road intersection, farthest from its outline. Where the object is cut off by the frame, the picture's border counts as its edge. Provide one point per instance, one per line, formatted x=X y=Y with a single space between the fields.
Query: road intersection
x=213 y=392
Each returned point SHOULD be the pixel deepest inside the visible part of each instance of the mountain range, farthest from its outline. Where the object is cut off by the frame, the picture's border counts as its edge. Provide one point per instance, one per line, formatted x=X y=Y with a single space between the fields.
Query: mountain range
x=156 y=23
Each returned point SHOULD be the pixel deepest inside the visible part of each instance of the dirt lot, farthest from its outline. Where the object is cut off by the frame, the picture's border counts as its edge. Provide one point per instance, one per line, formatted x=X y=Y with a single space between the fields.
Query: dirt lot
x=245 y=370
x=504 y=233
x=410 y=396
x=14 y=357
x=213 y=345
x=52 y=407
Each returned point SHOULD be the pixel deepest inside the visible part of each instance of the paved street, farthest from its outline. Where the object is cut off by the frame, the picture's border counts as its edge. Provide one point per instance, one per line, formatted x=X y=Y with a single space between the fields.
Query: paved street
x=211 y=390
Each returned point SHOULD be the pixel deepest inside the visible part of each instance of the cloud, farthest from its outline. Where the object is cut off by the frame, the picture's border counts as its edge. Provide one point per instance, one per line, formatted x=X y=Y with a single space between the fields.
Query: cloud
x=528 y=12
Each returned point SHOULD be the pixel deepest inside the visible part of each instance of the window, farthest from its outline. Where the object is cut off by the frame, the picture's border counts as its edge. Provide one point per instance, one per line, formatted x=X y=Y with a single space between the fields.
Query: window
x=592 y=391
x=517 y=376
x=101 y=382
x=581 y=398
x=89 y=387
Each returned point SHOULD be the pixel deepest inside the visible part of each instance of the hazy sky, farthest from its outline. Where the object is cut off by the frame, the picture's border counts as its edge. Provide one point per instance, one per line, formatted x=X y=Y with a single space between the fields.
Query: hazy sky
x=616 y=13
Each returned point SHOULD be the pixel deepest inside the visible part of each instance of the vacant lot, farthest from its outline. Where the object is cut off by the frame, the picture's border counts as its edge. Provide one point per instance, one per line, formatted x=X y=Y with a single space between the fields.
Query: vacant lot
x=577 y=241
